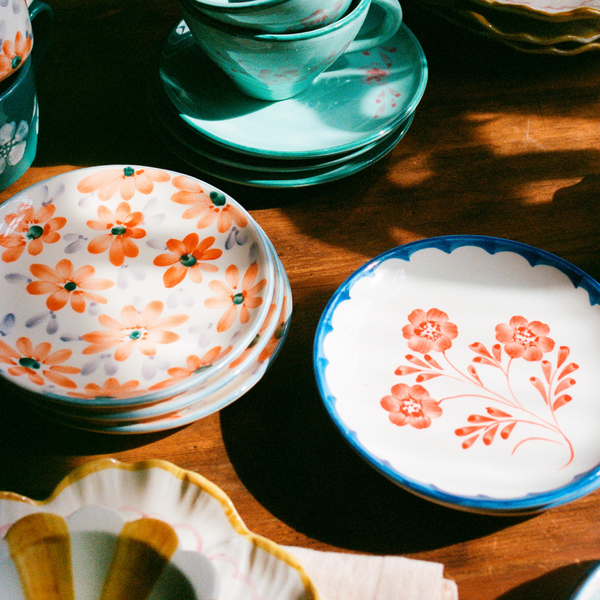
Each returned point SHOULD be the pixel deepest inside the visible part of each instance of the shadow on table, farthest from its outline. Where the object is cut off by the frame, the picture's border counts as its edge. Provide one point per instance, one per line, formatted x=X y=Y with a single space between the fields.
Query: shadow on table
x=560 y=583
x=294 y=461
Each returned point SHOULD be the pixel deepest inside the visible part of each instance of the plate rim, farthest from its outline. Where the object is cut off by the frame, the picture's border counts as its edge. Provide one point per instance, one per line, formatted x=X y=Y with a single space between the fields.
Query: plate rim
x=580 y=485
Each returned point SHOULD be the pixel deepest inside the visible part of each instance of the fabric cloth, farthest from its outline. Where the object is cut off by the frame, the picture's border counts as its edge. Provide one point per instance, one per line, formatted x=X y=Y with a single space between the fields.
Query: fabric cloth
x=341 y=576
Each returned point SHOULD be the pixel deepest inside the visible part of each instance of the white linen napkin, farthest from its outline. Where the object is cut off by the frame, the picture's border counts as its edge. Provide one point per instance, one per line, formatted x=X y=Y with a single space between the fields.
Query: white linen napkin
x=341 y=576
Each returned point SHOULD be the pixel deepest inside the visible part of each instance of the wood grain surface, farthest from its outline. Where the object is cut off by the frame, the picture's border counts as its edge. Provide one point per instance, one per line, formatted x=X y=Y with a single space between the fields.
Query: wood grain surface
x=503 y=143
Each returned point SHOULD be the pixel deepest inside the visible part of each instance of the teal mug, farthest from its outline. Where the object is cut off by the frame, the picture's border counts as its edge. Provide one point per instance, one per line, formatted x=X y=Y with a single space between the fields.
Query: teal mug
x=19 y=105
x=276 y=66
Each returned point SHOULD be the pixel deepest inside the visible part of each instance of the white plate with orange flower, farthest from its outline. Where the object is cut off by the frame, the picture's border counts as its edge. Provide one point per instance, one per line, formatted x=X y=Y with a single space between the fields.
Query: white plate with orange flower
x=464 y=369
x=116 y=275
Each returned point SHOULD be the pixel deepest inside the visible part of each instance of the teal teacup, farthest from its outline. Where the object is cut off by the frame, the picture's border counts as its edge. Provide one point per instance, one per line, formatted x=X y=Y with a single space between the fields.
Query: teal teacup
x=19 y=106
x=274 y=66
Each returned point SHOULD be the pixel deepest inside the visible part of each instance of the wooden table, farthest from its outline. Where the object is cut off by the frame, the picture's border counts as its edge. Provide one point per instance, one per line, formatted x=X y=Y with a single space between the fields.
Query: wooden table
x=503 y=144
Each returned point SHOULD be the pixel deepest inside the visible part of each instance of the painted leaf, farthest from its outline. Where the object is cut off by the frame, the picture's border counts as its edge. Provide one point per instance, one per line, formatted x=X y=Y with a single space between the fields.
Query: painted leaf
x=496 y=412
x=416 y=361
x=480 y=349
x=433 y=362
x=563 y=385
x=539 y=386
x=497 y=351
x=480 y=419
x=547 y=370
x=467 y=430
x=484 y=361
x=425 y=376
x=568 y=369
x=406 y=370
x=473 y=373
x=468 y=443
x=561 y=401
x=506 y=431
x=488 y=436
x=563 y=354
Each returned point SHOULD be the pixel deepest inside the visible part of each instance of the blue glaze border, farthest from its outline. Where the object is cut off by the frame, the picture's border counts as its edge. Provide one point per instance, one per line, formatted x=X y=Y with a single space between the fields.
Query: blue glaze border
x=582 y=484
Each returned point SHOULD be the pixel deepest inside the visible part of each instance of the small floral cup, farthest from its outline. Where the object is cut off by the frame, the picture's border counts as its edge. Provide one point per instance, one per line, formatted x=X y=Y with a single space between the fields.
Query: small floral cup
x=18 y=96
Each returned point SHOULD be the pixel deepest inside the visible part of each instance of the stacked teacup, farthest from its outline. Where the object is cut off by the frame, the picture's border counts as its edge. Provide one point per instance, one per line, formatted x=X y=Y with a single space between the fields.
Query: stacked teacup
x=274 y=49
x=18 y=100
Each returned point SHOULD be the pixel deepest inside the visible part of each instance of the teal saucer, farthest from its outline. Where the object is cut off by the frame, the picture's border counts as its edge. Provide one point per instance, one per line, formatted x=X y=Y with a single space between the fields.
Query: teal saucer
x=359 y=100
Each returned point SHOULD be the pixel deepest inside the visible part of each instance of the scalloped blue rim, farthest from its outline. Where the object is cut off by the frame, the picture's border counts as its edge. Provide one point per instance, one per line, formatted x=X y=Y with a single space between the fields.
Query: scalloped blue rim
x=582 y=484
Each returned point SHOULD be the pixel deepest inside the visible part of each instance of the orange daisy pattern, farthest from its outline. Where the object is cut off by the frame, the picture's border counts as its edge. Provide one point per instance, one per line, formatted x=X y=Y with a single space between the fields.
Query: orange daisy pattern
x=206 y=207
x=30 y=229
x=65 y=284
x=279 y=333
x=236 y=296
x=111 y=388
x=38 y=363
x=125 y=181
x=14 y=53
x=122 y=230
x=142 y=330
x=194 y=365
x=188 y=256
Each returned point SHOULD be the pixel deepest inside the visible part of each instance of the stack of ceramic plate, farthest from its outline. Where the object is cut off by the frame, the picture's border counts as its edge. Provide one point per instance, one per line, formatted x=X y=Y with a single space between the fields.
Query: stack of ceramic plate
x=136 y=299
x=465 y=369
x=353 y=114
x=563 y=27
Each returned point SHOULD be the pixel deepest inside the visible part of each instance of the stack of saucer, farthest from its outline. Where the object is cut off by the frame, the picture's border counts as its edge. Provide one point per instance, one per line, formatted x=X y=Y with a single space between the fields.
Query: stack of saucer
x=138 y=299
x=350 y=116
x=560 y=27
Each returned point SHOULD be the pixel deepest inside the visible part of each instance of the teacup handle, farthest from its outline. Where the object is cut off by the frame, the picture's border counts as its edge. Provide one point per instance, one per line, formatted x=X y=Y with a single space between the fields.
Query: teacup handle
x=42 y=23
x=384 y=29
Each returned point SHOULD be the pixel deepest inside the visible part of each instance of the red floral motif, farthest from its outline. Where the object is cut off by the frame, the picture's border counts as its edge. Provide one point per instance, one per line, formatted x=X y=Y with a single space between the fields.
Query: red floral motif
x=125 y=181
x=206 y=207
x=39 y=362
x=111 y=388
x=30 y=229
x=122 y=230
x=411 y=406
x=523 y=339
x=429 y=331
x=235 y=296
x=142 y=330
x=14 y=53
x=507 y=411
x=194 y=364
x=188 y=256
x=65 y=284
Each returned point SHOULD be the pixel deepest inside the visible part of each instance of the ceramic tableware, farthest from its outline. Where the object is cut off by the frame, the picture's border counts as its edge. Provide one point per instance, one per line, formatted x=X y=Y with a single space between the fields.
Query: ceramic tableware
x=247 y=565
x=258 y=351
x=589 y=588
x=93 y=534
x=464 y=369
x=274 y=16
x=276 y=66
x=190 y=406
x=119 y=273
x=18 y=22
x=19 y=118
x=357 y=101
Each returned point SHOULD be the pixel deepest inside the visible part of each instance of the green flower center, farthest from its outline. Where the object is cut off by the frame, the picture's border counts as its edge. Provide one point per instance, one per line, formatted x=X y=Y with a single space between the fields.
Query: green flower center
x=29 y=363
x=135 y=335
x=218 y=199
x=202 y=368
x=34 y=232
x=70 y=286
x=128 y=171
x=187 y=260
x=118 y=230
x=15 y=62
x=238 y=298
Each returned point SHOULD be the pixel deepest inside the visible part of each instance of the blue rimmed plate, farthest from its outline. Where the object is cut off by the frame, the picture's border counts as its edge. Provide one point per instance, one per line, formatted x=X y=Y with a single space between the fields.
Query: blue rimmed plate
x=465 y=369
